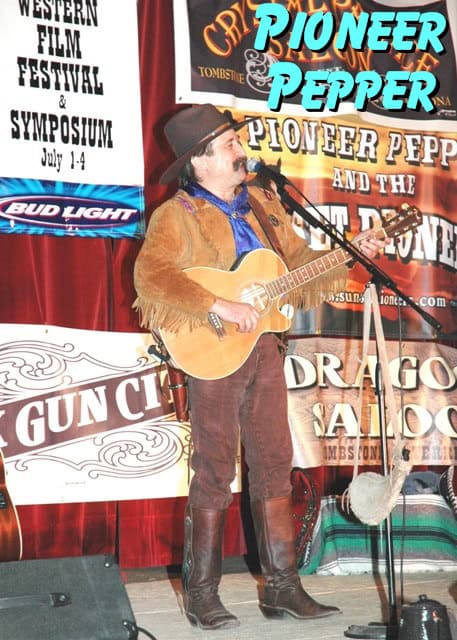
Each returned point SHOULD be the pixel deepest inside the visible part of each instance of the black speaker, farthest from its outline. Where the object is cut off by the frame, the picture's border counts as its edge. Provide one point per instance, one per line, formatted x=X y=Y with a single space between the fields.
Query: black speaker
x=80 y=598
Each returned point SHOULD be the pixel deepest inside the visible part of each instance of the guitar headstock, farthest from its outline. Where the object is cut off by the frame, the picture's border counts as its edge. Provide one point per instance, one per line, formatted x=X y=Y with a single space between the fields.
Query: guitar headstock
x=409 y=217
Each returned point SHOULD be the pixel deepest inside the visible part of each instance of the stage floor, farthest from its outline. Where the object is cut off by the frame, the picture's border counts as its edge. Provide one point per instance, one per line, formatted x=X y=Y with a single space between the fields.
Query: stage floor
x=155 y=597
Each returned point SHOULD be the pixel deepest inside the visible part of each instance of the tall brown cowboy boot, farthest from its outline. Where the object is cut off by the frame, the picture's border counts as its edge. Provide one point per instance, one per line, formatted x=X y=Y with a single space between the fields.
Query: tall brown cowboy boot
x=202 y=567
x=283 y=591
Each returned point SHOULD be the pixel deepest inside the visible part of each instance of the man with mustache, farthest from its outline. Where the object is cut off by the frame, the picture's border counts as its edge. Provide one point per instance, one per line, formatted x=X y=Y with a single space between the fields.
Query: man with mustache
x=211 y=221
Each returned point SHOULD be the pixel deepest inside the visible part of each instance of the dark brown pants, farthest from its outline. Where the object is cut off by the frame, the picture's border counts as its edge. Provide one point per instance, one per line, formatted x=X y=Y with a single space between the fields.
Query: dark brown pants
x=251 y=402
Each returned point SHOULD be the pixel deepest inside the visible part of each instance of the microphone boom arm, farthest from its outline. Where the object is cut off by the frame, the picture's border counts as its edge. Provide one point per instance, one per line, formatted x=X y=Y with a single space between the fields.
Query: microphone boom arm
x=378 y=276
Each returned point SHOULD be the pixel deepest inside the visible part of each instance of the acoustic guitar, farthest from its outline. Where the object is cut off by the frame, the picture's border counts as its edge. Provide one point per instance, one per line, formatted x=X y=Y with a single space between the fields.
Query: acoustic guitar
x=10 y=530
x=217 y=349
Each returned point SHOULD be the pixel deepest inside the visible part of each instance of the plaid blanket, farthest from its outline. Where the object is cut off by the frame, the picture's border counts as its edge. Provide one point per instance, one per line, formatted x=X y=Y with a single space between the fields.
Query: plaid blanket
x=424 y=536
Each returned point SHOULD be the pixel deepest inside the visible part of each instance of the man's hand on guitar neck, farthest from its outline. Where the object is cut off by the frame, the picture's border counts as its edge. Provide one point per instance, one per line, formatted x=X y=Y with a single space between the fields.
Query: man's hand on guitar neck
x=370 y=245
x=240 y=313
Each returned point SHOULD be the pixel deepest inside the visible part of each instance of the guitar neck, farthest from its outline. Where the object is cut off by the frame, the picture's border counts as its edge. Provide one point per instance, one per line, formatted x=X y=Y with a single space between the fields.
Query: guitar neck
x=304 y=274
x=312 y=270
x=10 y=530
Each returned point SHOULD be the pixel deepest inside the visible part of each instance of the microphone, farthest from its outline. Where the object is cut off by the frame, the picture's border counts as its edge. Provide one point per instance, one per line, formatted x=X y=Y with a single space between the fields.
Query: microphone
x=253 y=165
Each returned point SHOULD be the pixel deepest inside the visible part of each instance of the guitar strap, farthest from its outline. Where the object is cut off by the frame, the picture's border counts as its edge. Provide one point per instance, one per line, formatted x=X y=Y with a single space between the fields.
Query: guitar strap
x=267 y=226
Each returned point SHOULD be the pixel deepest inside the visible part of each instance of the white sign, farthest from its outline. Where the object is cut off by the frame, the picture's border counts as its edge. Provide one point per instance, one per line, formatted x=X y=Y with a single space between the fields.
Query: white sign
x=88 y=416
x=70 y=117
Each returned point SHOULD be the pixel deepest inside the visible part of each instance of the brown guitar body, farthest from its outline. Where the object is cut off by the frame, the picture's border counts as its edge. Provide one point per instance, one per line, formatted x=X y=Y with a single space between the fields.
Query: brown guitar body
x=201 y=352
x=10 y=532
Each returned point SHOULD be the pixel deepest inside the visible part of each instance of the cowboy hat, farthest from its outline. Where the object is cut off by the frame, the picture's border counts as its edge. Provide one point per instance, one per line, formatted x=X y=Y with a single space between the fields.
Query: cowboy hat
x=191 y=129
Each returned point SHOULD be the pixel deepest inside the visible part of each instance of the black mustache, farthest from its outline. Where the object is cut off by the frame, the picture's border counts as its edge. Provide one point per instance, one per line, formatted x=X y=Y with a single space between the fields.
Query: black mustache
x=241 y=162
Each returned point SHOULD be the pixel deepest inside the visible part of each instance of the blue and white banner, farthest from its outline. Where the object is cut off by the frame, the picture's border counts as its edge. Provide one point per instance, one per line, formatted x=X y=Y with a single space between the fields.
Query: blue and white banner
x=71 y=159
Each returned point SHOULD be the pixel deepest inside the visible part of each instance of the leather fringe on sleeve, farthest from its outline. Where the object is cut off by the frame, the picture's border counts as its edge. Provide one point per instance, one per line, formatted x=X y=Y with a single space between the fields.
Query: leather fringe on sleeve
x=310 y=296
x=153 y=315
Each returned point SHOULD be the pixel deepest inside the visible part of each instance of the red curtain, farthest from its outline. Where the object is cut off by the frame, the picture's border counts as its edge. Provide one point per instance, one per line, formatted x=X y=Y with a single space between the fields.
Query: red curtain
x=86 y=283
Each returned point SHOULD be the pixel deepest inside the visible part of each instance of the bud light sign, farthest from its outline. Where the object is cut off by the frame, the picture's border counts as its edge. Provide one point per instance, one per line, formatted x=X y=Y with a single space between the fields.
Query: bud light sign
x=87 y=210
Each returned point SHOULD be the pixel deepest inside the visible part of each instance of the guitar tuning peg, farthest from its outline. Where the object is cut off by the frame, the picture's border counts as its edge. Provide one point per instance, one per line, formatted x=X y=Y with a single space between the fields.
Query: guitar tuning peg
x=388 y=214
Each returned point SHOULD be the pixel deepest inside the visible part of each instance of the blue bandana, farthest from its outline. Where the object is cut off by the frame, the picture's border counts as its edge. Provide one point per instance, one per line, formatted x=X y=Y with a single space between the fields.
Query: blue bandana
x=245 y=238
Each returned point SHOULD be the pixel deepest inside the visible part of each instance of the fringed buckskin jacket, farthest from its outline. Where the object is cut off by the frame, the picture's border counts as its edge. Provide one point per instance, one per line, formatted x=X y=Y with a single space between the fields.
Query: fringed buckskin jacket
x=191 y=232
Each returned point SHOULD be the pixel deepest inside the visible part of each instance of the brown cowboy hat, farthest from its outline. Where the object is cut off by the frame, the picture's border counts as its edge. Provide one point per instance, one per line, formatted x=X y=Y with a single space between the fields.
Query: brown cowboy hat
x=191 y=129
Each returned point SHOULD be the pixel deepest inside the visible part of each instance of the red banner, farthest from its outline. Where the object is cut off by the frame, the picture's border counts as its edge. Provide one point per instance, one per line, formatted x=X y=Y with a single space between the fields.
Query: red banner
x=354 y=175
x=354 y=167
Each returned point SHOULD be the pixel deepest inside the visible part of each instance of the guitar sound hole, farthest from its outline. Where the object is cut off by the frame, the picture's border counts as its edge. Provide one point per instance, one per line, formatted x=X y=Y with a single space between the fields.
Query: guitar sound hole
x=3 y=501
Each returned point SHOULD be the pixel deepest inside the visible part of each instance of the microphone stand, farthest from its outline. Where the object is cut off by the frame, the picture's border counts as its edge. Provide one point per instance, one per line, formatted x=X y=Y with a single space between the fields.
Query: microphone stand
x=376 y=631
x=379 y=277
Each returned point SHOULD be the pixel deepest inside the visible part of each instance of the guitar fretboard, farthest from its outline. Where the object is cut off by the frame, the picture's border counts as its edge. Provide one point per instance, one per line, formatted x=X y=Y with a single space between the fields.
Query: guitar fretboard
x=409 y=218
x=302 y=275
